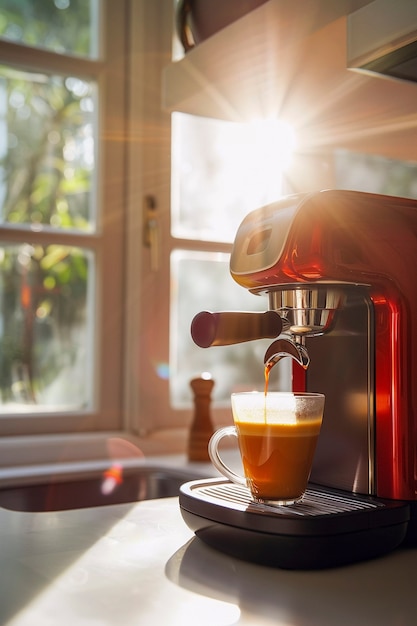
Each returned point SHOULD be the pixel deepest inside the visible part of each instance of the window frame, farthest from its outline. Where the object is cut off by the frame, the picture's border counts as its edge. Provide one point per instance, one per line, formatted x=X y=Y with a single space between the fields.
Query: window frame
x=149 y=158
x=134 y=162
x=149 y=414
x=107 y=243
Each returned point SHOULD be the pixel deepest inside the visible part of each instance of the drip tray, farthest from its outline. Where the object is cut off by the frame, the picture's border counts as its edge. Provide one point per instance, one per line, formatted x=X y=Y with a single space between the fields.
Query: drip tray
x=327 y=529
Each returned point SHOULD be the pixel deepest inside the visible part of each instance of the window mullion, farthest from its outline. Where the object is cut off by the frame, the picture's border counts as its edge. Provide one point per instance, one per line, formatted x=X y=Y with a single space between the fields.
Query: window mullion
x=35 y=59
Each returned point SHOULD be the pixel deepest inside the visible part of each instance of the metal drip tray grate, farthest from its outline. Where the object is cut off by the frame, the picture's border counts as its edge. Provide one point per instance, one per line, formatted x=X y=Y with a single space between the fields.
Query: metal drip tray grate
x=329 y=527
x=314 y=503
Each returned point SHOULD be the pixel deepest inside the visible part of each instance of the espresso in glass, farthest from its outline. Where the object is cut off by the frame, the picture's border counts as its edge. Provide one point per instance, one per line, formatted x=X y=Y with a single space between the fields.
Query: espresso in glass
x=277 y=434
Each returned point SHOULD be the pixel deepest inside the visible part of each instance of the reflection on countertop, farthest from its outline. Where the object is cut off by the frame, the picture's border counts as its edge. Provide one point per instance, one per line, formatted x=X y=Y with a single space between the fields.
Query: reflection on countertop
x=375 y=592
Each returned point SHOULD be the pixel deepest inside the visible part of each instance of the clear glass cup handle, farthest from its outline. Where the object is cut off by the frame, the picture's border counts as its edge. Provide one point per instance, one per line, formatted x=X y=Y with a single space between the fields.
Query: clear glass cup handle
x=213 y=450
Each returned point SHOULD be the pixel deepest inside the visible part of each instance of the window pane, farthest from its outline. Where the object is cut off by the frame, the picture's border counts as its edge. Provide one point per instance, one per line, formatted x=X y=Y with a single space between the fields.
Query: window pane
x=45 y=328
x=375 y=174
x=222 y=170
x=46 y=150
x=64 y=26
x=201 y=281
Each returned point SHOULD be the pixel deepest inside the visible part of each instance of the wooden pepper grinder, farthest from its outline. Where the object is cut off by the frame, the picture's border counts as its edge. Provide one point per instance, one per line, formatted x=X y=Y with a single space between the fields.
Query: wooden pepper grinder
x=201 y=427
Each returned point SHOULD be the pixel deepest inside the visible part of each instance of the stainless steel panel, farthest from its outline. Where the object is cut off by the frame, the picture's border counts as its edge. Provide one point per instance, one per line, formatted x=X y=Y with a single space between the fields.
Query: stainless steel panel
x=342 y=367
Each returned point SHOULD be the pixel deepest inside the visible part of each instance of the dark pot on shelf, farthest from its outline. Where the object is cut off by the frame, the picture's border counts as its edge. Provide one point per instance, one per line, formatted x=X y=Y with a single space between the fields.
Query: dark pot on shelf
x=199 y=19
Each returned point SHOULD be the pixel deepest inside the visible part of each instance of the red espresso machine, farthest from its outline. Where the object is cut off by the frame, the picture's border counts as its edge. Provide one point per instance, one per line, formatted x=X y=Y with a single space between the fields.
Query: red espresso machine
x=337 y=269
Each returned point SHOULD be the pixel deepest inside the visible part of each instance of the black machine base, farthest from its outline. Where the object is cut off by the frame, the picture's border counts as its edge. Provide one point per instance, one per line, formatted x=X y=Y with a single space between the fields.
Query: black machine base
x=328 y=528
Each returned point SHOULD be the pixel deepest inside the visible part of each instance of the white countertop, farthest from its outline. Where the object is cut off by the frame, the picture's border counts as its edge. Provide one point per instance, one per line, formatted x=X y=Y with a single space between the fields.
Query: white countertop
x=139 y=564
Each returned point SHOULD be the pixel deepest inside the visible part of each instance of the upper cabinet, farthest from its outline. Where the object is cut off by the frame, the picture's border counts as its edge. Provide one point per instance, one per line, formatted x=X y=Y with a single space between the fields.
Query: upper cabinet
x=288 y=60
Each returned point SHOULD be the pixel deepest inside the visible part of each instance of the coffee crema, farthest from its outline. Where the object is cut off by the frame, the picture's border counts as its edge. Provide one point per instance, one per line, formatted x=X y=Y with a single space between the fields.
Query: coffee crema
x=277 y=457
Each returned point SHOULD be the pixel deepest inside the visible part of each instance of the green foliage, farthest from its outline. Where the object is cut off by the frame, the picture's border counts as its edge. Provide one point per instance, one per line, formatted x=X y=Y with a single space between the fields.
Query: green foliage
x=46 y=178
x=60 y=25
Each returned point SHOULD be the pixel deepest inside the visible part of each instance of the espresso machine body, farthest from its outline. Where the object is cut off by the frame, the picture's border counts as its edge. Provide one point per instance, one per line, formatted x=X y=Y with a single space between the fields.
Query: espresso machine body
x=364 y=246
x=338 y=268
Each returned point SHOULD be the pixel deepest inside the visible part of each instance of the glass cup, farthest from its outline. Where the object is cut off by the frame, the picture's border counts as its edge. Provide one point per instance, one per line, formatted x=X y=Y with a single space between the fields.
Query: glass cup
x=277 y=435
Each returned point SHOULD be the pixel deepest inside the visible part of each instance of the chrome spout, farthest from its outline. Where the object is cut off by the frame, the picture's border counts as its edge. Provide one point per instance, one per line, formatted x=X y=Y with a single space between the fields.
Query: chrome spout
x=284 y=347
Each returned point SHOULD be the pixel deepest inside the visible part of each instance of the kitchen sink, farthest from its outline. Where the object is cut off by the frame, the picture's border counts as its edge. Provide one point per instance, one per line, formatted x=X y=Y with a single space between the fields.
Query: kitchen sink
x=113 y=486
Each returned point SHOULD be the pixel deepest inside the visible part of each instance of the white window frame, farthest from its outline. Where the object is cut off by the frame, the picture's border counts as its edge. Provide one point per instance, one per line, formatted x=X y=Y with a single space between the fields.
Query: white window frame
x=149 y=413
x=147 y=396
x=34 y=438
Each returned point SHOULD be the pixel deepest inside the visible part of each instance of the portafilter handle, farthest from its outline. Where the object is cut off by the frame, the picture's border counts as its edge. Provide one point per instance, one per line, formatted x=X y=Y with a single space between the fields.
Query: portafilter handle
x=229 y=327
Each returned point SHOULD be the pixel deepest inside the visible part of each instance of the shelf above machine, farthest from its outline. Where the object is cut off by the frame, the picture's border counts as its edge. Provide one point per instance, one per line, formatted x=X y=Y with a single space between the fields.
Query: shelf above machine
x=280 y=62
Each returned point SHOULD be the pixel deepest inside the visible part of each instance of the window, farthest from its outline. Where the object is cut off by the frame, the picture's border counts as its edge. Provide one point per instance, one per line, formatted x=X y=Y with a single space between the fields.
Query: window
x=220 y=171
x=116 y=223
x=62 y=214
